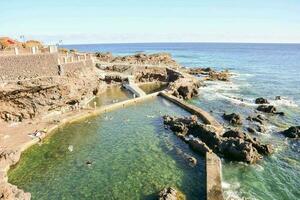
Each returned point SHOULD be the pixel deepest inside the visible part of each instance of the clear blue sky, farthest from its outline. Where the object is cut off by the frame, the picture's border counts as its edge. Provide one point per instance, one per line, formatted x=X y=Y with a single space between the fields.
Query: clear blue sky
x=114 y=21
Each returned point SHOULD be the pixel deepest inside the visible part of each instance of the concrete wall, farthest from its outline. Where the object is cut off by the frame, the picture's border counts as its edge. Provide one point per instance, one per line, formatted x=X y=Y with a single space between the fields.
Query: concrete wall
x=28 y=66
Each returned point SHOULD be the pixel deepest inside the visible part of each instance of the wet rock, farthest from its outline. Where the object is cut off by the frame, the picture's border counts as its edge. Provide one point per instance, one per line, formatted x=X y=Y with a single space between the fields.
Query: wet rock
x=239 y=150
x=192 y=160
x=234 y=134
x=267 y=109
x=11 y=192
x=261 y=100
x=233 y=144
x=199 y=146
x=170 y=194
x=233 y=118
x=251 y=130
x=292 y=132
x=218 y=76
x=258 y=118
x=278 y=98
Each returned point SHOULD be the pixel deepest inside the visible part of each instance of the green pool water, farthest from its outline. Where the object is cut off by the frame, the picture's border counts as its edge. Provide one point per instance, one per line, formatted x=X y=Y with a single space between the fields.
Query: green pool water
x=133 y=157
x=153 y=87
x=112 y=94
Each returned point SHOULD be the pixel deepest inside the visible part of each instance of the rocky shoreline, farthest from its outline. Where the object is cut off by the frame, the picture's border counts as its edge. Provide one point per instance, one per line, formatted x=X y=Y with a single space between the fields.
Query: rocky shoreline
x=26 y=101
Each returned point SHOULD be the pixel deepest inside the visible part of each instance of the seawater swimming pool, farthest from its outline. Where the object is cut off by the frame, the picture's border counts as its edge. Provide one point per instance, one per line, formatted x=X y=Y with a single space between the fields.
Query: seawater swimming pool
x=133 y=157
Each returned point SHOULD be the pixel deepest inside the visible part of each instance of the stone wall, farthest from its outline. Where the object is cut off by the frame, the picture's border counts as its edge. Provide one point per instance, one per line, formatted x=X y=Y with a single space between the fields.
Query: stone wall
x=70 y=68
x=20 y=67
x=28 y=66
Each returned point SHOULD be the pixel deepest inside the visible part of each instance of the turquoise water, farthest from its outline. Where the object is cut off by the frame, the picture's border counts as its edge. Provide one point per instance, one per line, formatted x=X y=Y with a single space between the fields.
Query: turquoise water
x=266 y=70
x=133 y=157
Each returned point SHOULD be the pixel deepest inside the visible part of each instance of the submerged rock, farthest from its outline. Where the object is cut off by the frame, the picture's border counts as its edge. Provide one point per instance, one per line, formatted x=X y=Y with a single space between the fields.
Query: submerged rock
x=258 y=118
x=233 y=118
x=292 y=132
x=170 y=194
x=261 y=100
x=199 y=146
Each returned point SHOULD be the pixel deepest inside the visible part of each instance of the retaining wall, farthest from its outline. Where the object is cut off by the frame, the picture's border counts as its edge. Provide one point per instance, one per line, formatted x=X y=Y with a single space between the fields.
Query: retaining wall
x=17 y=67
x=76 y=66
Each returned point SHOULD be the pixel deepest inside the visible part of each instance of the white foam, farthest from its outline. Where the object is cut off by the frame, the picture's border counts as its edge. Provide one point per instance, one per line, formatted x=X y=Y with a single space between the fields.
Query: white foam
x=284 y=101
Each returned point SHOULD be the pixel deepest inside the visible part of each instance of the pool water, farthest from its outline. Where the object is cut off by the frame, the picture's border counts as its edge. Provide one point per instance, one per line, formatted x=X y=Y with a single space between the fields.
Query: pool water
x=132 y=156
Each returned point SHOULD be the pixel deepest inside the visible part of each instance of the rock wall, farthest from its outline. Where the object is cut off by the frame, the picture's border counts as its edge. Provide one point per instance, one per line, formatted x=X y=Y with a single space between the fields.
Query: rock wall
x=28 y=66
x=70 y=68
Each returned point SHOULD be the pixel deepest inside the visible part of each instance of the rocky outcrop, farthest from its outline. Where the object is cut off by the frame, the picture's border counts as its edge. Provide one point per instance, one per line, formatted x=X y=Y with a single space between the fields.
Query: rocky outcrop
x=9 y=157
x=269 y=109
x=261 y=100
x=150 y=74
x=31 y=98
x=292 y=132
x=232 y=145
x=184 y=88
x=258 y=118
x=233 y=118
x=170 y=194
x=114 y=79
x=140 y=59
x=218 y=76
x=11 y=192
x=104 y=56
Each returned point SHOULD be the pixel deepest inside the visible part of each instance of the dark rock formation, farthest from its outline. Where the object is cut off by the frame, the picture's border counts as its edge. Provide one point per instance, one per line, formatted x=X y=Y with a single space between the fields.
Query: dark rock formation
x=233 y=118
x=261 y=100
x=232 y=145
x=269 y=109
x=210 y=74
x=258 y=118
x=292 y=132
x=170 y=194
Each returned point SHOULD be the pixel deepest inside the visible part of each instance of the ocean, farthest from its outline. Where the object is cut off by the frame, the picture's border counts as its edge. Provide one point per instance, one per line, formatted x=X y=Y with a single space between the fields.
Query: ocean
x=259 y=70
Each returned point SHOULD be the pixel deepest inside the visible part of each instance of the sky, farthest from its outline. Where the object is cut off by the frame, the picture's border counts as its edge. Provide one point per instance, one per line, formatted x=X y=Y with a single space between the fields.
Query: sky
x=134 y=21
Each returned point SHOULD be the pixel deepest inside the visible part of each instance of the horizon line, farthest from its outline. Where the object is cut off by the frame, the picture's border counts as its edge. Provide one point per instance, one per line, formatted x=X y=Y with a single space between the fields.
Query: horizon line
x=104 y=43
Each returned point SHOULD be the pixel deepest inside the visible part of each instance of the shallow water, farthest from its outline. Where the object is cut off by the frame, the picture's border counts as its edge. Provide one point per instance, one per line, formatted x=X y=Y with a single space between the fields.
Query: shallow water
x=112 y=95
x=149 y=88
x=133 y=157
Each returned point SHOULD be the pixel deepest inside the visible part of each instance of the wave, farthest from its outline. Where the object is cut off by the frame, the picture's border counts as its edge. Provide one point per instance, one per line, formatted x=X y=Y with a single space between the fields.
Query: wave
x=284 y=101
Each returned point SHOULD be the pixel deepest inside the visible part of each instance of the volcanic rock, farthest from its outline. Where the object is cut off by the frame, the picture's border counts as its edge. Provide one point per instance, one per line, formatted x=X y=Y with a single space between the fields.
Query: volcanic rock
x=292 y=132
x=261 y=100
x=233 y=118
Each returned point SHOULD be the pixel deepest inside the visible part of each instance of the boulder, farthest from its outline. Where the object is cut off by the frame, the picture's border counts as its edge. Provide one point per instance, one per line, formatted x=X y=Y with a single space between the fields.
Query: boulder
x=239 y=150
x=292 y=132
x=233 y=118
x=269 y=109
x=199 y=146
x=261 y=100
x=170 y=194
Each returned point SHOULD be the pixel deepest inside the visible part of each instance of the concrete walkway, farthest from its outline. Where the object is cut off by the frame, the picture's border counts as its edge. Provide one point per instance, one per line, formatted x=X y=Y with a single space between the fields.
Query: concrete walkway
x=133 y=88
